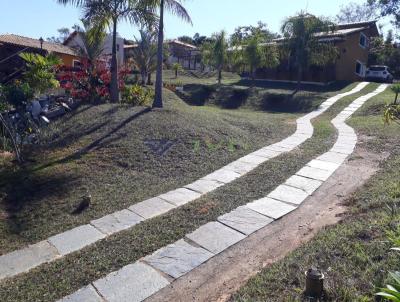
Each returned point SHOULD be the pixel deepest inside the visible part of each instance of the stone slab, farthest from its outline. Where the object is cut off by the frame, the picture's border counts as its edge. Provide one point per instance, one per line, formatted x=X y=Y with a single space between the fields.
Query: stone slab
x=23 y=260
x=204 y=186
x=337 y=158
x=76 y=239
x=270 y=207
x=178 y=259
x=132 y=283
x=215 y=237
x=241 y=167
x=116 y=222
x=343 y=150
x=315 y=173
x=306 y=184
x=245 y=220
x=253 y=159
x=276 y=147
x=151 y=208
x=323 y=165
x=180 y=196
x=266 y=153
x=85 y=294
x=223 y=175
x=288 y=194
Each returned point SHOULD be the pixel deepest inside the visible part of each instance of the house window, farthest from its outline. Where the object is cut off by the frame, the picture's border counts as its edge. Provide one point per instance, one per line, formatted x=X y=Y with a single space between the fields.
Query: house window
x=360 y=69
x=363 y=41
x=76 y=64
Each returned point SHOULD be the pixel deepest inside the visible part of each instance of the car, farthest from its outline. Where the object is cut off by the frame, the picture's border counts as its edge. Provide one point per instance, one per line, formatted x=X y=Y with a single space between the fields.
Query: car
x=379 y=73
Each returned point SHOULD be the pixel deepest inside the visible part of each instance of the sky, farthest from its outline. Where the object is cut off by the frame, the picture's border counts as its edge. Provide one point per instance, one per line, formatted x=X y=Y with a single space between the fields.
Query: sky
x=42 y=18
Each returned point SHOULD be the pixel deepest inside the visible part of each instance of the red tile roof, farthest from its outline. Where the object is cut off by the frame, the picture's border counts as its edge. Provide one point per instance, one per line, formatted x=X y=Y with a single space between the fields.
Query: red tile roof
x=35 y=43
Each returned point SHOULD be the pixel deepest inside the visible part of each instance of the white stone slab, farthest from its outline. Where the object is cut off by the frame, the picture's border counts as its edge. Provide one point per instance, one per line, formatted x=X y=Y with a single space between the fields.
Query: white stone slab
x=178 y=259
x=267 y=153
x=288 y=194
x=253 y=159
x=343 y=150
x=276 y=147
x=245 y=220
x=306 y=184
x=241 y=167
x=116 y=222
x=132 y=283
x=85 y=294
x=315 y=173
x=180 y=196
x=215 y=237
x=23 y=260
x=151 y=208
x=337 y=158
x=270 y=207
x=323 y=165
x=223 y=175
x=76 y=239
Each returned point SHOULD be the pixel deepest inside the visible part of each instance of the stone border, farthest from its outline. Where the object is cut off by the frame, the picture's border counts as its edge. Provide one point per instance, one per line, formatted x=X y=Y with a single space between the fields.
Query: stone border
x=177 y=259
x=82 y=236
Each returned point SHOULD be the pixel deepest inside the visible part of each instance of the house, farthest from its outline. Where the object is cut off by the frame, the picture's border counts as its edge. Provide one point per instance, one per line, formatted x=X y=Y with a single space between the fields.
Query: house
x=12 y=45
x=75 y=41
x=187 y=55
x=353 y=43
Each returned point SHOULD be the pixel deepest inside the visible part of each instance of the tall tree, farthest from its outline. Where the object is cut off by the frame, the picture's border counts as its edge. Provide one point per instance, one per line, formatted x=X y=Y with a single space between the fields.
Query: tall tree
x=103 y=13
x=219 y=52
x=145 y=54
x=244 y=33
x=389 y=8
x=356 y=12
x=303 y=44
x=257 y=55
x=176 y=8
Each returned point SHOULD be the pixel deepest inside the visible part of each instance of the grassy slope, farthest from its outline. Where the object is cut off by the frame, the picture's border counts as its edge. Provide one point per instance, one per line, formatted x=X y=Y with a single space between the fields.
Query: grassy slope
x=355 y=253
x=120 y=170
x=78 y=269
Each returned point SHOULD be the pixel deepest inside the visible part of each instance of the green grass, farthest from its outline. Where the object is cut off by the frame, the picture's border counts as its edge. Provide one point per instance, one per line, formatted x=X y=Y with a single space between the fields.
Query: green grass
x=354 y=254
x=117 y=167
x=78 y=269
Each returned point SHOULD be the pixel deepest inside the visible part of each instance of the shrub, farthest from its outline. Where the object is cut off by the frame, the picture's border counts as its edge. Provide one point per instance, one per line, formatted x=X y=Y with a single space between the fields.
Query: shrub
x=137 y=95
x=16 y=94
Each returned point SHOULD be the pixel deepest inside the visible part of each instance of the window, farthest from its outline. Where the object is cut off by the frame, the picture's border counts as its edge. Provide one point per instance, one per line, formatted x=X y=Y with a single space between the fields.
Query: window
x=360 y=68
x=76 y=64
x=363 y=41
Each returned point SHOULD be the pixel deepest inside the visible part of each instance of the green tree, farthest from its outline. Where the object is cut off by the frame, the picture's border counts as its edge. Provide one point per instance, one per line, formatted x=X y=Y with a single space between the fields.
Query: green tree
x=176 y=67
x=175 y=7
x=145 y=54
x=356 y=12
x=303 y=45
x=40 y=71
x=93 y=42
x=389 y=8
x=103 y=13
x=219 y=53
x=396 y=89
x=257 y=55
x=244 y=33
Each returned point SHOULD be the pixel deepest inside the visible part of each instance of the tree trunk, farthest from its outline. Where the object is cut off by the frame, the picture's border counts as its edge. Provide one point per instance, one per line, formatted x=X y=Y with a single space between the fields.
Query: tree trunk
x=144 y=78
x=299 y=78
x=219 y=75
x=149 y=79
x=158 y=101
x=114 y=91
x=395 y=100
x=176 y=73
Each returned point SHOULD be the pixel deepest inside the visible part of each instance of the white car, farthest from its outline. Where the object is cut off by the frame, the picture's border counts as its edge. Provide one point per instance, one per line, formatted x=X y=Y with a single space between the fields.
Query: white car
x=379 y=73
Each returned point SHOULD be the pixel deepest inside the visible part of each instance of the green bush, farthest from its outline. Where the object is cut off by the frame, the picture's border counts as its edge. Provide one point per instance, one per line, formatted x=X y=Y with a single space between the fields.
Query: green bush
x=137 y=95
x=16 y=94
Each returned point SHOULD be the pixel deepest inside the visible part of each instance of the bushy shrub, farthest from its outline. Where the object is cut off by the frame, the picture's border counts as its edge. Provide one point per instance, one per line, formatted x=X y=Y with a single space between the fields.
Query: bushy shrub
x=137 y=95
x=16 y=94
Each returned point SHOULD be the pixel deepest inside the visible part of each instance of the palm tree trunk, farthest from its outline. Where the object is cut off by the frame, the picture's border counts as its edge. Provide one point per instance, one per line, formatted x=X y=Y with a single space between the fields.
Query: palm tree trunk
x=158 y=102
x=219 y=75
x=149 y=79
x=299 y=78
x=114 y=93
x=395 y=100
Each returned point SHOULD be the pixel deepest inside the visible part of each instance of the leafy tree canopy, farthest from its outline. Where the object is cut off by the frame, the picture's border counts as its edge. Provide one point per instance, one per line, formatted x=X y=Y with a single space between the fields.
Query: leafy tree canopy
x=245 y=33
x=356 y=12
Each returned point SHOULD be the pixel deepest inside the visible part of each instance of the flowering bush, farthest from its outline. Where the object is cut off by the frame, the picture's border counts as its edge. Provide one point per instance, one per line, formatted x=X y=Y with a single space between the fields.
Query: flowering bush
x=90 y=82
x=137 y=95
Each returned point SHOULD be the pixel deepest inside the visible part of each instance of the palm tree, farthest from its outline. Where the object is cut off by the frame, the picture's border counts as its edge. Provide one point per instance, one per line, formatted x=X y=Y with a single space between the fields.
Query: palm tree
x=220 y=53
x=303 y=44
x=103 y=13
x=145 y=54
x=93 y=42
x=176 y=8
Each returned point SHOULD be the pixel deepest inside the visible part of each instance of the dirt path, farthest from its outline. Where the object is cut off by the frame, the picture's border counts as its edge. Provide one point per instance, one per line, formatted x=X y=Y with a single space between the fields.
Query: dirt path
x=223 y=275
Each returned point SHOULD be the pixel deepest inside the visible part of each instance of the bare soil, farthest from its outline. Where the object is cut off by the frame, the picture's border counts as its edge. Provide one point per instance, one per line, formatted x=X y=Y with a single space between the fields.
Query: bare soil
x=224 y=274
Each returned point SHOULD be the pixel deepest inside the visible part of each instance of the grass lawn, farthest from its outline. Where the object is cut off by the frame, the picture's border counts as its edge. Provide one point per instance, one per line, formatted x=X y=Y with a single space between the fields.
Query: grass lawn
x=55 y=280
x=354 y=254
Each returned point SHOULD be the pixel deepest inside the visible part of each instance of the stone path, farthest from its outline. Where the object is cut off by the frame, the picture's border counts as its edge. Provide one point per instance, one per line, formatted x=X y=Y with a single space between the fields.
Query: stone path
x=147 y=276
x=62 y=244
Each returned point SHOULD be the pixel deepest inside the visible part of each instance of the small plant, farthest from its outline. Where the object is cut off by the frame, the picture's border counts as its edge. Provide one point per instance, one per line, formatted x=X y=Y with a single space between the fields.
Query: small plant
x=392 y=113
x=137 y=95
x=176 y=67
x=392 y=291
x=396 y=89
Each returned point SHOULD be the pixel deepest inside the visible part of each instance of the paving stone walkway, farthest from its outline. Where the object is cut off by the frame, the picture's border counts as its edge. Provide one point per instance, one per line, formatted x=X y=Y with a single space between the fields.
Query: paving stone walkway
x=62 y=244
x=140 y=280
